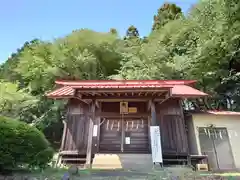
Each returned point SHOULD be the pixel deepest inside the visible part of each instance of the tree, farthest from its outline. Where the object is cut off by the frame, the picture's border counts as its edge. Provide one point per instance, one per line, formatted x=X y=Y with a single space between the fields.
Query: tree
x=132 y=32
x=113 y=31
x=14 y=101
x=166 y=13
x=202 y=46
x=83 y=54
x=7 y=68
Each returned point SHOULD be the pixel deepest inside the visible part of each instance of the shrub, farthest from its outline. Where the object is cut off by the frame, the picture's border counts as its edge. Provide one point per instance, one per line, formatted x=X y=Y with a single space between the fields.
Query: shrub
x=21 y=144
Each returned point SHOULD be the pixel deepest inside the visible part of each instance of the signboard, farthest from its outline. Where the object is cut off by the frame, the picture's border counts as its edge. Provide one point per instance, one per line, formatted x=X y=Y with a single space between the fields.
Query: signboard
x=132 y=110
x=127 y=140
x=95 y=129
x=123 y=107
x=156 y=144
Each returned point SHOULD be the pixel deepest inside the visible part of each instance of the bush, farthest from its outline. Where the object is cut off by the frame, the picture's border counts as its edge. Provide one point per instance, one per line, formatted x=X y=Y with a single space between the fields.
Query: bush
x=21 y=144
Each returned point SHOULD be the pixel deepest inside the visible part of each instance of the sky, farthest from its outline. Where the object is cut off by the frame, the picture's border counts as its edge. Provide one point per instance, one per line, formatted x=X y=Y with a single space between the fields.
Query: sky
x=24 y=20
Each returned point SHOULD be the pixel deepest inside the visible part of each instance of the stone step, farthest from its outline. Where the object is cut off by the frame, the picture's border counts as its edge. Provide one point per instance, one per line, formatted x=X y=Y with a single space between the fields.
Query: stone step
x=123 y=161
x=106 y=166
x=106 y=161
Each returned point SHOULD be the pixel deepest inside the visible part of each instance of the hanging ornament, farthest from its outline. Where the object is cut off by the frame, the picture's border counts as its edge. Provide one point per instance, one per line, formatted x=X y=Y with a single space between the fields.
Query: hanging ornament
x=137 y=124
x=215 y=133
x=107 y=124
x=113 y=122
x=118 y=128
x=205 y=131
x=209 y=134
x=229 y=134
x=220 y=134
x=127 y=126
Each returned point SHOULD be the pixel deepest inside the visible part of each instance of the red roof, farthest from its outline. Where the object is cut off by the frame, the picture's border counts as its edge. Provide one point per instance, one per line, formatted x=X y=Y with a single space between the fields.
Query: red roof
x=123 y=83
x=215 y=112
x=186 y=91
x=179 y=88
x=224 y=113
x=64 y=91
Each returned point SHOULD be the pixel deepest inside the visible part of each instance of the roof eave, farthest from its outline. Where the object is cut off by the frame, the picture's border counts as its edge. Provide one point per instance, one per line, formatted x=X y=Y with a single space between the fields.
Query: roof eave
x=169 y=82
x=189 y=95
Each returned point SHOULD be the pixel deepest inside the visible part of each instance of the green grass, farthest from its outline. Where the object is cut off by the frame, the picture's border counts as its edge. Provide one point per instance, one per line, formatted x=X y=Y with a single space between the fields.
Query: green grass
x=57 y=173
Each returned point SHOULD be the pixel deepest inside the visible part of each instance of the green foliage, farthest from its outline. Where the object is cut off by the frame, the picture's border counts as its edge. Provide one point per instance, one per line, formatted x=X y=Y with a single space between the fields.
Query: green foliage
x=22 y=144
x=166 y=13
x=83 y=54
x=203 y=46
x=113 y=31
x=7 y=69
x=132 y=32
x=13 y=101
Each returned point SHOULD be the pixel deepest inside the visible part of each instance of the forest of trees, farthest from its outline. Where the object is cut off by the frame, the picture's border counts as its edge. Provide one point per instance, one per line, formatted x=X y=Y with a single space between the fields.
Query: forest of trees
x=203 y=44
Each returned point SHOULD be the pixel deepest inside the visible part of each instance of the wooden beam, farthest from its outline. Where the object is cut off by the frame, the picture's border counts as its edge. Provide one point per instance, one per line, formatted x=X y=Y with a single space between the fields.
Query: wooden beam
x=83 y=100
x=125 y=97
x=167 y=96
x=122 y=90
x=160 y=94
x=154 y=93
x=78 y=96
x=119 y=99
x=117 y=114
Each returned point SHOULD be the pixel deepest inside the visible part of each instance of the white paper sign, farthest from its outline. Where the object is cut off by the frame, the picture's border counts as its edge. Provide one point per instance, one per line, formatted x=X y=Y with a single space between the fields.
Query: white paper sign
x=127 y=140
x=95 y=129
x=156 y=144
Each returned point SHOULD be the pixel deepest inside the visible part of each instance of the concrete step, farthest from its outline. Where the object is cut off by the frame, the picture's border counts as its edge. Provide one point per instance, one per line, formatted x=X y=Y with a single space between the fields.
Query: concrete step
x=106 y=161
x=123 y=161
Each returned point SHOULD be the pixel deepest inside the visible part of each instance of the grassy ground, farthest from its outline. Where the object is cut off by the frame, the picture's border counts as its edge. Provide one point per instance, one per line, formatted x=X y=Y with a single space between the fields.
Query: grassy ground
x=179 y=174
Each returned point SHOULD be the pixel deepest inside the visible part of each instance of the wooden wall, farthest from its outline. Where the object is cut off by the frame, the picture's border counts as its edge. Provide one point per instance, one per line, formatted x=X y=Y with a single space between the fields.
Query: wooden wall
x=169 y=115
x=77 y=125
x=173 y=132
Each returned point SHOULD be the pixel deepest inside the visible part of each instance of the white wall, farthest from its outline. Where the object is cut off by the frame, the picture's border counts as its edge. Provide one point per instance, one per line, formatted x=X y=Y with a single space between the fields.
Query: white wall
x=231 y=122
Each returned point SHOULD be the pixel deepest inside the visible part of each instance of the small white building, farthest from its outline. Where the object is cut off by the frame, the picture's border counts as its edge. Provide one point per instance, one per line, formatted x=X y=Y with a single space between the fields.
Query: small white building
x=216 y=134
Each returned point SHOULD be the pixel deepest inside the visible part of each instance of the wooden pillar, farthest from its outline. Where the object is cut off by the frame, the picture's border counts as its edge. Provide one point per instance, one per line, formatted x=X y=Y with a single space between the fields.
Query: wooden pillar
x=64 y=135
x=96 y=136
x=153 y=113
x=154 y=123
x=59 y=158
x=90 y=134
x=98 y=123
